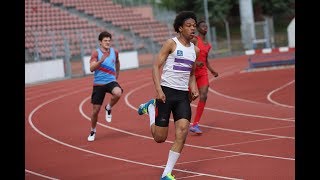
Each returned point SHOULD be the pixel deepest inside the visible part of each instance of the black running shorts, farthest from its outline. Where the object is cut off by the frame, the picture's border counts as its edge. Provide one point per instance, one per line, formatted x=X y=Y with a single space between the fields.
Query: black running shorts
x=177 y=102
x=99 y=92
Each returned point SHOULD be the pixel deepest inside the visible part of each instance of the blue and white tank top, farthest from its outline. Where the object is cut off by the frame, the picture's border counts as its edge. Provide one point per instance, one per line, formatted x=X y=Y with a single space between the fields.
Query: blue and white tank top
x=106 y=73
x=177 y=68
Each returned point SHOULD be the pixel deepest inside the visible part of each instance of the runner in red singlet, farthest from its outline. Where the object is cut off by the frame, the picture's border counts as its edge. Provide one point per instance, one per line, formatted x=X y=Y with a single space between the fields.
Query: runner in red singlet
x=201 y=72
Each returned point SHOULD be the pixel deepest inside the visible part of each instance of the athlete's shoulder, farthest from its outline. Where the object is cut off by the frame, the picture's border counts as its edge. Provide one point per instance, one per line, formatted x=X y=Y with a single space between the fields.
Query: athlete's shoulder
x=94 y=53
x=171 y=40
x=169 y=43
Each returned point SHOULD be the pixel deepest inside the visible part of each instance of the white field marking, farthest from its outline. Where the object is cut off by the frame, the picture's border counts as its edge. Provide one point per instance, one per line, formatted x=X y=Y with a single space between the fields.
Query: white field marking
x=185 y=177
x=234 y=98
x=201 y=147
x=274 y=102
x=30 y=122
x=132 y=91
x=227 y=112
x=42 y=89
x=218 y=110
x=244 y=142
x=41 y=175
x=52 y=92
x=99 y=154
x=67 y=90
x=245 y=114
x=272 y=128
x=230 y=97
x=246 y=132
x=291 y=118
x=271 y=68
x=209 y=159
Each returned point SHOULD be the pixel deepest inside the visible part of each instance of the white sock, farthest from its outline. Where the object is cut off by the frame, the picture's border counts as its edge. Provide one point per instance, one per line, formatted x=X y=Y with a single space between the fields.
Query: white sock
x=172 y=159
x=93 y=129
x=151 y=112
x=108 y=107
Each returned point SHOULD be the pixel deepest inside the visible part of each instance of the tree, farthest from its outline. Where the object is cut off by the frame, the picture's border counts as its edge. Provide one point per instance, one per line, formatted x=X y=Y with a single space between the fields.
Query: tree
x=276 y=7
x=167 y=4
x=218 y=10
x=177 y=5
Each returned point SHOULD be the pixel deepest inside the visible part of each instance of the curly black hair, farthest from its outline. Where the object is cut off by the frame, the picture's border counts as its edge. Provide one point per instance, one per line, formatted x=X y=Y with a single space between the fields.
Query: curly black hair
x=104 y=34
x=182 y=17
x=201 y=21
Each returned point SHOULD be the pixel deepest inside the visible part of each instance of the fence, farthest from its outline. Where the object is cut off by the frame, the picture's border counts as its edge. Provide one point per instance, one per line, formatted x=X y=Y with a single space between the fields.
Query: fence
x=72 y=44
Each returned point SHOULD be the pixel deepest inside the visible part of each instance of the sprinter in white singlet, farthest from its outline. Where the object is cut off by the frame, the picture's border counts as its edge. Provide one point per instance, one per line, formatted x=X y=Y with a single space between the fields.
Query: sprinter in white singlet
x=177 y=57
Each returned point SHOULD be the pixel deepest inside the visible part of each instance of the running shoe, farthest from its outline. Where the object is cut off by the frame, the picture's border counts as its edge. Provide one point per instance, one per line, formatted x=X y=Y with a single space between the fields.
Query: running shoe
x=143 y=108
x=195 y=129
x=108 y=115
x=168 y=177
x=92 y=136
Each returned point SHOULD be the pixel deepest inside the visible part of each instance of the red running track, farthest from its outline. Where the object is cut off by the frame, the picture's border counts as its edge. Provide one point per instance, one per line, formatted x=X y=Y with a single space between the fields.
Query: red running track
x=248 y=124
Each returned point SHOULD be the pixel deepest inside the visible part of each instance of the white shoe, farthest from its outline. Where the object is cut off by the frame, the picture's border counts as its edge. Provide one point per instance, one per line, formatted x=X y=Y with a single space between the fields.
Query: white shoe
x=91 y=136
x=108 y=115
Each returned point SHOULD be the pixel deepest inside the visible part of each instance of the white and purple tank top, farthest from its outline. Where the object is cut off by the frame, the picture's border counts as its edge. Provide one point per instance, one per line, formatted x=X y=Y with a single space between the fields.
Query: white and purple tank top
x=177 y=68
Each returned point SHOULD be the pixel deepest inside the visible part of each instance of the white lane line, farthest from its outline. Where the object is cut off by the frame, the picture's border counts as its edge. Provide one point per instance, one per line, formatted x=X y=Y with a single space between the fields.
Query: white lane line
x=53 y=92
x=151 y=138
x=86 y=151
x=231 y=97
x=240 y=99
x=247 y=132
x=244 y=142
x=278 y=89
x=209 y=159
x=248 y=115
x=201 y=147
x=99 y=154
x=266 y=129
x=185 y=177
x=41 y=175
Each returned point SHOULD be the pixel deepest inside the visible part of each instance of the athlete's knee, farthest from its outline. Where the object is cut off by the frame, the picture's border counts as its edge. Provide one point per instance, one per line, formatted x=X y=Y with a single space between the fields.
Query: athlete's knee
x=117 y=95
x=182 y=132
x=203 y=96
x=160 y=138
x=117 y=92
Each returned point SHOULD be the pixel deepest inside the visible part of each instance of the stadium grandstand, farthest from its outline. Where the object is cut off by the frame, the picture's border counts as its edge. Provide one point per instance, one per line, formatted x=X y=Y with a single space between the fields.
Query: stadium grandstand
x=68 y=28
x=67 y=31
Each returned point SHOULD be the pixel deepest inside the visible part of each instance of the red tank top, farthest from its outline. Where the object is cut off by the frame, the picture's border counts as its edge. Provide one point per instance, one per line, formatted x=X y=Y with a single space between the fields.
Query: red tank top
x=203 y=55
